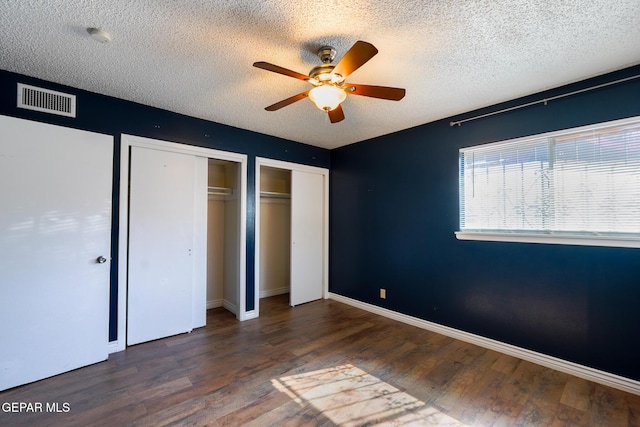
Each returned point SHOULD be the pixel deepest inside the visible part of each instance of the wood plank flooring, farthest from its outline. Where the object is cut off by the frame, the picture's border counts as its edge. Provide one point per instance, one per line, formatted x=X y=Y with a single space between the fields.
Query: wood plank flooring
x=319 y=364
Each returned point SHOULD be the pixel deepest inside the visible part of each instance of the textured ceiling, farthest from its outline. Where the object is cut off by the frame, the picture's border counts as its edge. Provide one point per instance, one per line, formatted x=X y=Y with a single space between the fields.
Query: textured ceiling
x=195 y=57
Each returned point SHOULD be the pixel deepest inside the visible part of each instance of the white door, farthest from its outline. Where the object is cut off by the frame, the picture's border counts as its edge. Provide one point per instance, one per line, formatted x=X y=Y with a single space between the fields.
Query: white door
x=161 y=244
x=307 y=230
x=55 y=224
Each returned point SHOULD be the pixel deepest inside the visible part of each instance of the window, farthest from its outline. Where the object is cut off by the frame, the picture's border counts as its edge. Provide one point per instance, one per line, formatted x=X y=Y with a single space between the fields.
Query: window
x=577 y=186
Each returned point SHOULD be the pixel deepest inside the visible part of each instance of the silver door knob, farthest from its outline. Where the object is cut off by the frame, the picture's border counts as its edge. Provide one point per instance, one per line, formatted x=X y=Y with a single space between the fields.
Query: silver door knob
x=101 y=260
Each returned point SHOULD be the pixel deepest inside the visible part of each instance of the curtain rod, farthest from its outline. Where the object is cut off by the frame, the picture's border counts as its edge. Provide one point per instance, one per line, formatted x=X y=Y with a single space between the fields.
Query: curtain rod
x=545 y=100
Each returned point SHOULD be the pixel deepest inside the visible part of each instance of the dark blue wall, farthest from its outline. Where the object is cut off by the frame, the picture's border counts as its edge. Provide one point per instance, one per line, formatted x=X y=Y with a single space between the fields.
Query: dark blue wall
x=394 y=210
x=113 y=116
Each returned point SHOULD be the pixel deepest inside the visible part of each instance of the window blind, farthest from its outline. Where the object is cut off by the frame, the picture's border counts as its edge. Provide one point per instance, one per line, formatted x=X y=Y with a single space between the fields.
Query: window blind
x=582 y=181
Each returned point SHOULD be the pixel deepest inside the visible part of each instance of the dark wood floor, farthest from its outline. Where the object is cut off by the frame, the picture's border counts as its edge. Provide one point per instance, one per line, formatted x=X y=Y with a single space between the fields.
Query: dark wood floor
x=227 y=374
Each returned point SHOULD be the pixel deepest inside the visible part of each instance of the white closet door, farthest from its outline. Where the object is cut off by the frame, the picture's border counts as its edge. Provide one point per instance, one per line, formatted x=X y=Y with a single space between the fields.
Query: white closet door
x=307 y=227
x=55 y=223
x=161 y=244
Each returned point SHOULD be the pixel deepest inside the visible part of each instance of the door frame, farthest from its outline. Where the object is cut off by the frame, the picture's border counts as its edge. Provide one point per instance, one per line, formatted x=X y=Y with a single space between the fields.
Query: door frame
x=127 y=141
x=262 y=161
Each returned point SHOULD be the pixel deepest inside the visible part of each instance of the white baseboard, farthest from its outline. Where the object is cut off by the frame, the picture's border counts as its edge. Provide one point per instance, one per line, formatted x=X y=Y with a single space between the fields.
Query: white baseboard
x=214 y=303
x=231 y=307
x=585 y=372
x=115 y=346
x=248 y=315
x=274 y=292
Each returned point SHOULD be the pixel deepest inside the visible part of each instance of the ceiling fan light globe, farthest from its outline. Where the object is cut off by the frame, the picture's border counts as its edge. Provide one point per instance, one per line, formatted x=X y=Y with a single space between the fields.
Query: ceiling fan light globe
x=327 y=97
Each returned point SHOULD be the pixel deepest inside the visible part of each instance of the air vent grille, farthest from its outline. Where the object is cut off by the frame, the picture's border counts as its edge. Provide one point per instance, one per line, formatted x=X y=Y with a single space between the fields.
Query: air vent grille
x=45 y=100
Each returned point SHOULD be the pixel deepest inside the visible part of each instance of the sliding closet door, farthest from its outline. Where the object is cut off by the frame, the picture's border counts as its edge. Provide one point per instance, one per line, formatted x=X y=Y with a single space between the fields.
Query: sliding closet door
x=162 y=212
x=55 y=245
x=307 y=231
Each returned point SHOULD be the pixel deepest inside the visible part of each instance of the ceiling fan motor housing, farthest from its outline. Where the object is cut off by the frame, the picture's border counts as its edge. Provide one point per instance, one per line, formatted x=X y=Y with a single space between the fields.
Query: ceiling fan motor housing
x=323 y=73
x=326 y=54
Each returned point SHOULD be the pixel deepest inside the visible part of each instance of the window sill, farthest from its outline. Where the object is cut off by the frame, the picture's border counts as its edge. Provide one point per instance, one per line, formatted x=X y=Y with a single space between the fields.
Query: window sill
x=610 y=241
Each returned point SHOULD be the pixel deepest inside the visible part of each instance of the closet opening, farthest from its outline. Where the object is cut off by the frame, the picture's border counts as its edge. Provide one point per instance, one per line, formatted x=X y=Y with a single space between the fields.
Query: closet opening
x=291 y=233
x=275 y=235
x=223 y=235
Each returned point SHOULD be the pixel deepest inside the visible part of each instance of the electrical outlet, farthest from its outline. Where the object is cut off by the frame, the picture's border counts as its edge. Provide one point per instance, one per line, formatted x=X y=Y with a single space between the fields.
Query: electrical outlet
x=383 y=293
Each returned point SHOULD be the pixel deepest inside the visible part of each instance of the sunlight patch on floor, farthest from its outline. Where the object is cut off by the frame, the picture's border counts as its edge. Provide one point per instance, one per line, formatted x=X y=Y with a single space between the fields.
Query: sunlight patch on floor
x=349 y=396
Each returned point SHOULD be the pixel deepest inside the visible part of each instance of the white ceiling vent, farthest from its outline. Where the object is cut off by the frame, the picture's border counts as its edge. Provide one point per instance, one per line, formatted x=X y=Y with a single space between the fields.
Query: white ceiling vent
x=45 y=100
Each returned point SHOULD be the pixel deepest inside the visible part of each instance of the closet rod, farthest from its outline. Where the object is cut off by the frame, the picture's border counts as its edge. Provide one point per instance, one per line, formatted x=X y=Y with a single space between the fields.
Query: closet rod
x=219 y=191
x=274 y=195
x=545 y=100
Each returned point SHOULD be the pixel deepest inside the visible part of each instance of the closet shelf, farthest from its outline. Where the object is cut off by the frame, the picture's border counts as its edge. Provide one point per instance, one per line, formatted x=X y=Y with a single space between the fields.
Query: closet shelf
x=220 y=191
x=274 y=195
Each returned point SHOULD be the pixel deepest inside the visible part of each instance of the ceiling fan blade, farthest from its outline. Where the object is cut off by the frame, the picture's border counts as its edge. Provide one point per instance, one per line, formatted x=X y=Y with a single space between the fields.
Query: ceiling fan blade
x=285 y=102
x=280 y=70
x=355 y=57
x=382 y=92
x=336 y=115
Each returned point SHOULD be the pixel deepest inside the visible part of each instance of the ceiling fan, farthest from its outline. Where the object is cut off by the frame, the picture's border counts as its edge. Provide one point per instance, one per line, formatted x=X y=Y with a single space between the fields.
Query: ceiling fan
x=328 y=80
